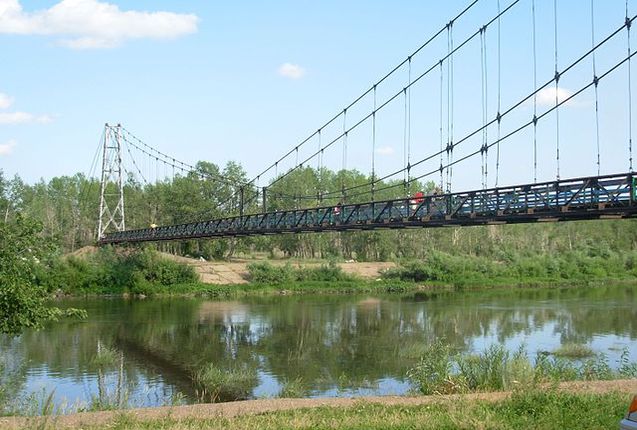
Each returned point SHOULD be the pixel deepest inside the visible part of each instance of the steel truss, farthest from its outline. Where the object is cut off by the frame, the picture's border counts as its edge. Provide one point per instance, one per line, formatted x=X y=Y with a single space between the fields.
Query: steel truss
x=599 y=197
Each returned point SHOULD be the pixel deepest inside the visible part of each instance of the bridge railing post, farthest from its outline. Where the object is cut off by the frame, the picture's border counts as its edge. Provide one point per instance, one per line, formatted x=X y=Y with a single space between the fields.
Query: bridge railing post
x=265 y=199
x=241 y=200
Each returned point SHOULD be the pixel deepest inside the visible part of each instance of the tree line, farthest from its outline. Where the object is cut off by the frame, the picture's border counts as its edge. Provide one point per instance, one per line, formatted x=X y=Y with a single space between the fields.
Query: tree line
x=67 y=208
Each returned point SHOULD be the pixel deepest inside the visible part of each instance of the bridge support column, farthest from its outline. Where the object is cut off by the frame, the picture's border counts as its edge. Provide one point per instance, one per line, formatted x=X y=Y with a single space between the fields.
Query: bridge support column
x=111 y=212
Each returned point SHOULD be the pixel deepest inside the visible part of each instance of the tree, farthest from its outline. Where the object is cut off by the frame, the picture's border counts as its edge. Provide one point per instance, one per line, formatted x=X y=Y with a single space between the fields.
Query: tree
x=23 y=304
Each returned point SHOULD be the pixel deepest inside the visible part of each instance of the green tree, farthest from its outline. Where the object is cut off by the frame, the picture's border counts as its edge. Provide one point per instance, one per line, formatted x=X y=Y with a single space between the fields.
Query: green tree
x=22 y=304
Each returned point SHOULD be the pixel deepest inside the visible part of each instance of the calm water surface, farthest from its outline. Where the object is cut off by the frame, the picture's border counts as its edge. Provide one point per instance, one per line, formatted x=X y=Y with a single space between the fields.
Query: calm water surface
x=335 y=345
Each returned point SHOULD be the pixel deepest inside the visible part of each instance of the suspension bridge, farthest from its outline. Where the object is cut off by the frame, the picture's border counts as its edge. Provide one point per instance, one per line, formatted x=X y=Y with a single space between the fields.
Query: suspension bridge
x=425 y=95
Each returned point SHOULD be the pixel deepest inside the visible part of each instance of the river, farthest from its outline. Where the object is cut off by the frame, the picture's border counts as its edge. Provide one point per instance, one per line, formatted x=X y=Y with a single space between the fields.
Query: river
x=331 y=345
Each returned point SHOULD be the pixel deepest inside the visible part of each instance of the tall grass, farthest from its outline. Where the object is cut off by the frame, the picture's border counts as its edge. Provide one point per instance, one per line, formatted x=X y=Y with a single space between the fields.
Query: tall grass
x=565 y=266
x=217 y=384
x=443 y=371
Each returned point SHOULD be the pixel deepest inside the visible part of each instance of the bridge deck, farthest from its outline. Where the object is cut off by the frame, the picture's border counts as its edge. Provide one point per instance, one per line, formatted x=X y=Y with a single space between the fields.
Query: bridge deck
x=612 y=196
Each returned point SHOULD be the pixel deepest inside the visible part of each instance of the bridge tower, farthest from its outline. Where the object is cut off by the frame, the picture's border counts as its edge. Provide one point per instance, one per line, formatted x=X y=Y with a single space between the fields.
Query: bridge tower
x=112 y=186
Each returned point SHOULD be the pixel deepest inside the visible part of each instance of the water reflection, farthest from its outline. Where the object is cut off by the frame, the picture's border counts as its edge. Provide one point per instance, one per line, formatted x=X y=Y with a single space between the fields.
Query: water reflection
x=335 y=344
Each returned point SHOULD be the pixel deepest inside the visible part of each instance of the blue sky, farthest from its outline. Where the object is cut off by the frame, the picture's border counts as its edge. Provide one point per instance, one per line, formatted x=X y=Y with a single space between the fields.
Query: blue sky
x=209 y=81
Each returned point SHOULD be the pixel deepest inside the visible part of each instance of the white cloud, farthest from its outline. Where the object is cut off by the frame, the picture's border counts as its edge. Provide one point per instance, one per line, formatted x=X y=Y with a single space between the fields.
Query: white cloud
x=385 y=150
x=7 y=148
x=546 y=96
x=86 y=24
x=23 y=118
x=5 y=101
x=292 y=71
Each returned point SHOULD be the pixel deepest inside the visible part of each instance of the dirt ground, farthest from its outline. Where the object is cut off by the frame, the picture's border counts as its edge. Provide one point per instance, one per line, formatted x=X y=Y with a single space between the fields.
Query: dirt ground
x=235 y=271
x=233 y=409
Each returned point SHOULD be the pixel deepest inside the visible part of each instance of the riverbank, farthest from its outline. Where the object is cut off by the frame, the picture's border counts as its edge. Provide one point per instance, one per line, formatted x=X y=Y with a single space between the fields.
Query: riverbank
x=587 y=404
x=144 y=273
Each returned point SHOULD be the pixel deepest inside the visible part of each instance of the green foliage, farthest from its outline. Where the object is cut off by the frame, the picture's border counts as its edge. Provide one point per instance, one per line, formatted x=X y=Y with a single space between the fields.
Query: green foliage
x=433 y=373
x=217 y=384
x=441 y=371
x=293 y=389
x=22 y=302
x=140 y=271
x=533 y=409
x=269 y=274
x=573 y=350
x=564 y=266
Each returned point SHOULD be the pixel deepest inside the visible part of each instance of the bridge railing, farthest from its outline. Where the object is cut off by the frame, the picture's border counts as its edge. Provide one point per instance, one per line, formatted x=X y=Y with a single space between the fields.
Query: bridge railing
x=580 y=198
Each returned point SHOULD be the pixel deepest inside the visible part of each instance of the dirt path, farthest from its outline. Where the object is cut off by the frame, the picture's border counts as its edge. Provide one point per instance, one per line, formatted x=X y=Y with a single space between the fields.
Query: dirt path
x=236 y=271
x=233 y=409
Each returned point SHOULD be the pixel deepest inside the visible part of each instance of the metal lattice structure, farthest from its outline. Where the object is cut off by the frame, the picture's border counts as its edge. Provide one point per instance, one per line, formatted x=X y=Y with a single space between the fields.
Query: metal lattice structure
x=571 y=199
x=111 y=214
x=495 y=138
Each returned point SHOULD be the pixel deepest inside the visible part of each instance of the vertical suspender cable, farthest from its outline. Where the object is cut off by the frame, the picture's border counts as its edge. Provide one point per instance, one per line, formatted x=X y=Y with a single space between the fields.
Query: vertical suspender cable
x=534 y=94
x=441 y=124
x=484 y=85
x=374 y=147
x=557 y=106
x=630 y=97
x=319 y=169
x=449 y=105
x=405 y=142
x=409 y=123
x=497 y=158
x=344 y=155
x=595 y=81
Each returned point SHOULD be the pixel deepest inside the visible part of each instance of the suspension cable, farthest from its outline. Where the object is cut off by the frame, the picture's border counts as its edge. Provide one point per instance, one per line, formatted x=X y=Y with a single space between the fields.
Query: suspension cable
x=557 y=110
x=449 y=105
x=381 y=80
x=409 y=122
x=345 y=132
x=528 y=123
x=516 y=105
x=405 y=157
x=184 y=167
x=483 y=72
x=398 y=93
x=630 y=96
x=596 y=85
x=497 y=160
x=319 y=174
x=373 y=184
x=441 y=125
x=534 y=94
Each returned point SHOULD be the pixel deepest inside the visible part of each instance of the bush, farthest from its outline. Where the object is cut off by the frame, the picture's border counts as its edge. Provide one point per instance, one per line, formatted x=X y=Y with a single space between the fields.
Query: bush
x=266 y=273
x=139 y=271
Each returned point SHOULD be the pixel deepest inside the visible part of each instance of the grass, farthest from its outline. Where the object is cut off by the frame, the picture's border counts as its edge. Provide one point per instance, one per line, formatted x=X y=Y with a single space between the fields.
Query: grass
x=217 y=384
x=442 y=371
x=293 y=389
x=548 y=410
x=572 y=266
x=573 y=350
